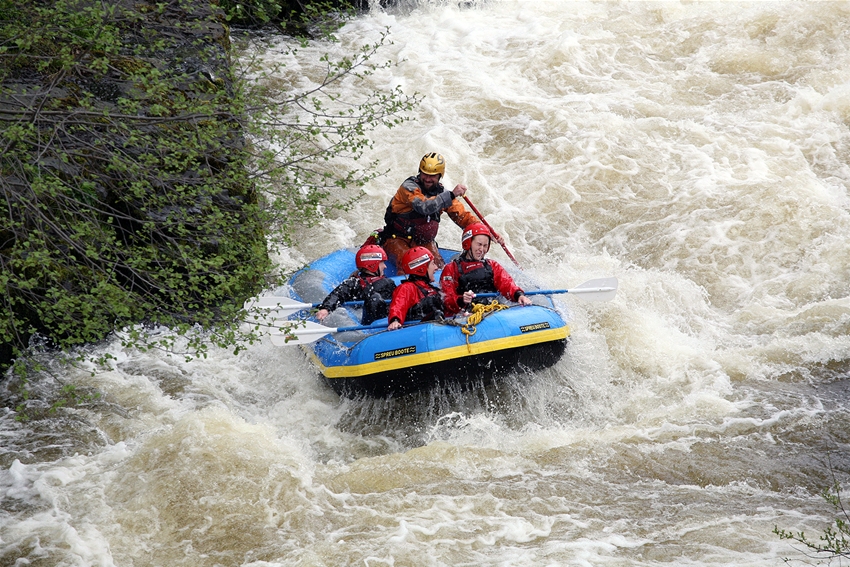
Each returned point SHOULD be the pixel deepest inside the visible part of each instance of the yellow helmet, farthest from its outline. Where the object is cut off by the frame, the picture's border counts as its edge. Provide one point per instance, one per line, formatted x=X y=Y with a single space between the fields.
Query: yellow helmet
x=432 y=164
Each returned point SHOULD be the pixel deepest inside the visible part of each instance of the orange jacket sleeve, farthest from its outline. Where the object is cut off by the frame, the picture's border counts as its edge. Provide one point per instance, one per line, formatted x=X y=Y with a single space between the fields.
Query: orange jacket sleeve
x=409 y=197
x=458 y=213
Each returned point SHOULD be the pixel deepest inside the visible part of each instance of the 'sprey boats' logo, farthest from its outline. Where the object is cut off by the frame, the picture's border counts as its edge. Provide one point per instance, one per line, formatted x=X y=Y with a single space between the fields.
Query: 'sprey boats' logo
x=534 y=327
x=395 y=352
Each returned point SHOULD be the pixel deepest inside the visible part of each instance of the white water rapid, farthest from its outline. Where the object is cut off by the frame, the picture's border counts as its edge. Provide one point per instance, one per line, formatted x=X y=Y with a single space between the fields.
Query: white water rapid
x=698 y=151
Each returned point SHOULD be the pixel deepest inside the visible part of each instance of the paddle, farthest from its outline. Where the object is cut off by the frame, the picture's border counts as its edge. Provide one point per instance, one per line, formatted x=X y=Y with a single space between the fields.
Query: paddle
x=285 y=306
x=306 y=332
x=601 y=289
x=498 y=238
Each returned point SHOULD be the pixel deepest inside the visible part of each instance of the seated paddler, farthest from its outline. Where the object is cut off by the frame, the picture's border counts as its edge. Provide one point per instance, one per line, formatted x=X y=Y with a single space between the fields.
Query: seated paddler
x=416 y=298
x=470 y=273
x=367 y=283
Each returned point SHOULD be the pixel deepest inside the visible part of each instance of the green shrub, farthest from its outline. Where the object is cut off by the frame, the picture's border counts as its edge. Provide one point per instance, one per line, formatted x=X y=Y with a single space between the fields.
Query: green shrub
x=140 y=175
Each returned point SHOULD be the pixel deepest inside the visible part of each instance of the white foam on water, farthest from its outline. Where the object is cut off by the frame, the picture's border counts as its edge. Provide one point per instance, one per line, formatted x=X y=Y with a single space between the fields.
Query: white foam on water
x=696 y=151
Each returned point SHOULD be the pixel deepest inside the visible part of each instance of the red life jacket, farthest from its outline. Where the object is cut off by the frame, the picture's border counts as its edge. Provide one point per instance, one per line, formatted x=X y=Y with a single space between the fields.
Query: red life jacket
x=475 y=276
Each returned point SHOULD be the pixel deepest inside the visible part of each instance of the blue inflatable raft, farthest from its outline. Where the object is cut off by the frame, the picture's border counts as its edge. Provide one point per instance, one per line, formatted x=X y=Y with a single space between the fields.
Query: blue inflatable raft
x=376 y=362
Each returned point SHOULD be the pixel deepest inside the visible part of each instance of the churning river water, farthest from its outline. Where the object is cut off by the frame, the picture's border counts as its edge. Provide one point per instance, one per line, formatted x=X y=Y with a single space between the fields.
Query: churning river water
x=697 y=151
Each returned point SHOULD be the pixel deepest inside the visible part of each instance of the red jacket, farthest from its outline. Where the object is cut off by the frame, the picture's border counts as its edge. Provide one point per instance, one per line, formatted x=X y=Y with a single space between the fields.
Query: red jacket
x=450 y=282
x=407 y=295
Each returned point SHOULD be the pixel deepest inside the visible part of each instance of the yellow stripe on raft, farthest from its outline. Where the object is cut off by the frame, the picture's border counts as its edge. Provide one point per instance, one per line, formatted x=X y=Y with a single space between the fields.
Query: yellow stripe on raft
x=441 y=355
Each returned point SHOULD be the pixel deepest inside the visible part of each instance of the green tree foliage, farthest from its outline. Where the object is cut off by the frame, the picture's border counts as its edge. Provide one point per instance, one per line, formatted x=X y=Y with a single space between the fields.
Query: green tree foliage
x=126 y=196
x=303 y=142
x=143 y=177
x=297 y=16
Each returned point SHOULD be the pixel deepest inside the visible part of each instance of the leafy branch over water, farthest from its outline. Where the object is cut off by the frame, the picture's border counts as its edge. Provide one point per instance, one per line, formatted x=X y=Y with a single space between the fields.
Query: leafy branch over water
x=834 y=542
x=144 y=176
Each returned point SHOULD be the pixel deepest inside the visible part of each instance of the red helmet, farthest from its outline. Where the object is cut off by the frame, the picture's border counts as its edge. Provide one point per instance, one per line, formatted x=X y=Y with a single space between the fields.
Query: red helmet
x=472 y=231
x=415 y=261
x=369 y=258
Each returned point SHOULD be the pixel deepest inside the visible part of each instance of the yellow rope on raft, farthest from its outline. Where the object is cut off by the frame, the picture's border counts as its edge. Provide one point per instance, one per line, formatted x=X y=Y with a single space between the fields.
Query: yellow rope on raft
x=479 y=311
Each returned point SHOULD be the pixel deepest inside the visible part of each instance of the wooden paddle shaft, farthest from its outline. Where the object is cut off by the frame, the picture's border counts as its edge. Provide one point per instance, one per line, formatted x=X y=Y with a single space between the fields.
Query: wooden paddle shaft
x=498 y=238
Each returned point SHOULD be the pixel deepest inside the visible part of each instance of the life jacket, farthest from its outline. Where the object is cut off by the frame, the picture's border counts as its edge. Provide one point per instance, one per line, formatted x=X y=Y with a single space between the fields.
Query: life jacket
x=366 y=283
x=422 y=229
x=475 y=276
x=375 y=290
x=430 y=304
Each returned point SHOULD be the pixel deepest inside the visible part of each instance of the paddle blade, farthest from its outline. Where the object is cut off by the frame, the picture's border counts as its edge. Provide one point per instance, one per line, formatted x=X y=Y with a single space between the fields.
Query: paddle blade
x=268 y=311
x=277 y=304
x=301 y=333
x=305 y=332
x=600 y=289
